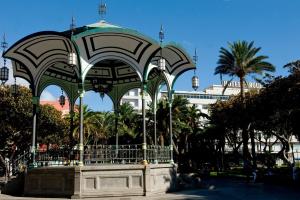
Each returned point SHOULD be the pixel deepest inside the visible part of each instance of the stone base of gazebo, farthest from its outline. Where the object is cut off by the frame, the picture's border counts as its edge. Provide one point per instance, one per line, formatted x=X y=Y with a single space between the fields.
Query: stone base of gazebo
x=100 y=180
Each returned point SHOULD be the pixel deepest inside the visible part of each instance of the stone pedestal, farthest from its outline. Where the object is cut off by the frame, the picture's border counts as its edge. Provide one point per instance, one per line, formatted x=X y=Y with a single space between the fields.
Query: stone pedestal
x=100 y=181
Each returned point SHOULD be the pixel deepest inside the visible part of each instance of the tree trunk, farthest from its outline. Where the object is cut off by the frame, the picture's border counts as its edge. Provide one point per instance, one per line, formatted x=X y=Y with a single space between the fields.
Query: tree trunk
x=245 y=135
x=253 y=152
x=161 y=139
x=245 y=147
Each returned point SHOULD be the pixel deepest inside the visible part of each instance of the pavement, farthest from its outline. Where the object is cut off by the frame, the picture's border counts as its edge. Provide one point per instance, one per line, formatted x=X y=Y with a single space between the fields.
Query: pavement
x=223 y=189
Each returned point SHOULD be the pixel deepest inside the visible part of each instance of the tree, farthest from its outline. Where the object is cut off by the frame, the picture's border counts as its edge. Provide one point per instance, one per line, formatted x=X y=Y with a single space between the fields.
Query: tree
x=293 y=67
x=15 y=122
x=90 y=125
x=52 y=127
x=127 y=123
x=239 y=61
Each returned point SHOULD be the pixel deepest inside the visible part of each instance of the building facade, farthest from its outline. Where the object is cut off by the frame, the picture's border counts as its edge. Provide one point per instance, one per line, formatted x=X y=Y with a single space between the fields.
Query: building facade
x=202 y=99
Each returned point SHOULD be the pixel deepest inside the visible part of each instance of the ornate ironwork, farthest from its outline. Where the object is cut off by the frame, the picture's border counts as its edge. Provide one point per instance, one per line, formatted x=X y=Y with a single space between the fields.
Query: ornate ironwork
x=195 y=79
x=101 y=154
x=62 y=99
x=4 y=71
x=14 y=89
x=101 y=86
x=162 y=61
x=102 y=10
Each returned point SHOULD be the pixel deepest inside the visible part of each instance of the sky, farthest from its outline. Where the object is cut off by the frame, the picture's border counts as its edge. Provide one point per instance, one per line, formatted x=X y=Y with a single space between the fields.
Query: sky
x=206 y=25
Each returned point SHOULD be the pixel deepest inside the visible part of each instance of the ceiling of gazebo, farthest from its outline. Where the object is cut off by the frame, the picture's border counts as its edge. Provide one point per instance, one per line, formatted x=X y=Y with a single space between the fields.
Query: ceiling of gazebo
x=112 y=72
x=107 y=55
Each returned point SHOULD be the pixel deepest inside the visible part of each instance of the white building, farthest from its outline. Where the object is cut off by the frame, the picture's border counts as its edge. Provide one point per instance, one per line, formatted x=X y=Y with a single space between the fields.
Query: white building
x=200 y=98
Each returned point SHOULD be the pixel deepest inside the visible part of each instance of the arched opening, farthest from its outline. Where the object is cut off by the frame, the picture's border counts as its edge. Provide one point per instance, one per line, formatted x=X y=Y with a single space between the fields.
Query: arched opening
x=98 y=119
x=53 y=123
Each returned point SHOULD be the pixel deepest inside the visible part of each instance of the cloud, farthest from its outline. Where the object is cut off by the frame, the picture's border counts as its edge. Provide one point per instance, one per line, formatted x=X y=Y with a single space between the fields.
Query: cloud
x=47 y=96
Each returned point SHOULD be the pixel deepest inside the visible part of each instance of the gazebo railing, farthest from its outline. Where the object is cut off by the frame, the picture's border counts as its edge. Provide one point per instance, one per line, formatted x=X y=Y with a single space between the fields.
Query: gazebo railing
x=158 y=154
x=103 y=154
x=112 y=154
x=57 y=157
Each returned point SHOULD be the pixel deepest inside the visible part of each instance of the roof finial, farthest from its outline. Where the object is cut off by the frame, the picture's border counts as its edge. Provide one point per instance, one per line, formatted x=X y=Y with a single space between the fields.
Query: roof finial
x=102 y=10
x=72 y=25
x=195 y=57
x=4 y=43
x=161 y=34
x=4 y=46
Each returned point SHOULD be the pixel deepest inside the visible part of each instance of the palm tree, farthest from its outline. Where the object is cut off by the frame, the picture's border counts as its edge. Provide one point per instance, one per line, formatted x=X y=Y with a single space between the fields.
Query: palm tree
x=239 y=61
x=90 y=125
x=127 y=121
x=104 y=126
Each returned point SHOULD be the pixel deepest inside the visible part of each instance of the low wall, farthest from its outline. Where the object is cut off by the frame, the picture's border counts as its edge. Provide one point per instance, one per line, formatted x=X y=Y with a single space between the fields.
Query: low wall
x=100 y=181
x=49 y=181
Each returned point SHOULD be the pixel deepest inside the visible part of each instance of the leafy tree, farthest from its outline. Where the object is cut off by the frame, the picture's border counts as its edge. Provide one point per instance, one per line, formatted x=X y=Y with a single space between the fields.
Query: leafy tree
x=293 y=67
x=52 y=127
x=16 y=122
x=91 y=126
x=239 y=61
x=127 y=123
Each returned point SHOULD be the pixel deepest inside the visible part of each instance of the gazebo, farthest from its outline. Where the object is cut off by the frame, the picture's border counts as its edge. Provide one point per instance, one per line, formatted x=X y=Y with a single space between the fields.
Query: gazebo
x=110 y=60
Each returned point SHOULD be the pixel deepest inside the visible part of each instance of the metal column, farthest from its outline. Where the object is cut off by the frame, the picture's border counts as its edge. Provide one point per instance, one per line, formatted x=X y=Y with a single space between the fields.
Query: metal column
x=81 y=128
x=144 y=146
x=171 y=128
x=155 y=128
x=35 y=102
x=116 y=130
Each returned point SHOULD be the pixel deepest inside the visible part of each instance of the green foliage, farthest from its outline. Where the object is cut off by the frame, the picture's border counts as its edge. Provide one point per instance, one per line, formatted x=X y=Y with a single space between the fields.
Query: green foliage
x=274 y=111
x=16 y=122
x=52 y=127
x=97 y=126
x=15 y=118
x=239 y=61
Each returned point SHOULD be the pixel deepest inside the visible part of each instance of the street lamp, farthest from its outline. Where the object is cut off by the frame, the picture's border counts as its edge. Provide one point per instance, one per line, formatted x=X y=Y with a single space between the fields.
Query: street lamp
x=162 y=61
x=101 y=87
x=195 y=79
x=62 y=98
x=4 y=74
x=72 y=57
x=4 y=71
x=14 y=89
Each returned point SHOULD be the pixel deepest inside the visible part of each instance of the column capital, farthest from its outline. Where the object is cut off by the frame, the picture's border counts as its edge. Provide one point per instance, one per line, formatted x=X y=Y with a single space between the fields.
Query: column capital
x=32 y=149
x=80 y=147
x=81 y=93
x=35 y=100
x=144 y=146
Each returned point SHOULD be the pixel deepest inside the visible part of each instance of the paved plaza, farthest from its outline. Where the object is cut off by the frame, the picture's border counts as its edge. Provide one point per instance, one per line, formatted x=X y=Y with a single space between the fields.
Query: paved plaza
x=215 y=190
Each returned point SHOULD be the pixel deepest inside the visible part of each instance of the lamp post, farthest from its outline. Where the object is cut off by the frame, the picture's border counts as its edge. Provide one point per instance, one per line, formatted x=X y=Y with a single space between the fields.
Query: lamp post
x=195 y=79
x=72 y=57
x=162 y=61
x=4 y=71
